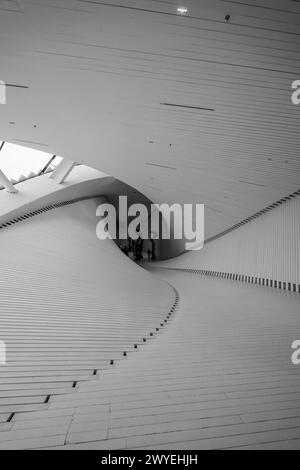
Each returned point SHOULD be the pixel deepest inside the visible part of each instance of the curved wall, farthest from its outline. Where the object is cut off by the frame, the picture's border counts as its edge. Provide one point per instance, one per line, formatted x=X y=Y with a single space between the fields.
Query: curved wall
x=70 y=305
x=267 y=248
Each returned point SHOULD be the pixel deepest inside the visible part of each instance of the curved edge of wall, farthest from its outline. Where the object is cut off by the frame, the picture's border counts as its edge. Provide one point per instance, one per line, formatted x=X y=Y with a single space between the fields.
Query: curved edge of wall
x=84 y=182
x=72 y=305
x=265 y=251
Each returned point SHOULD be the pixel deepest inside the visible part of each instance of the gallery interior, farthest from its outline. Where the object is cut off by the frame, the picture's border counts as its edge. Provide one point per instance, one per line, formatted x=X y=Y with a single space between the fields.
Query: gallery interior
x=107 y=346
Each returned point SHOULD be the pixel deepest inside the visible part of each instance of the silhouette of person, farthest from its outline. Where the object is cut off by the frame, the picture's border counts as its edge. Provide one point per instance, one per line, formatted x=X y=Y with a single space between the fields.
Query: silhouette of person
x=153 y=255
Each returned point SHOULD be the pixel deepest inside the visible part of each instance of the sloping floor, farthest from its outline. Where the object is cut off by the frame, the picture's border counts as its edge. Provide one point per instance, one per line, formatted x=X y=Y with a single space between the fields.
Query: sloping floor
x=70 y=306
x=217 y=376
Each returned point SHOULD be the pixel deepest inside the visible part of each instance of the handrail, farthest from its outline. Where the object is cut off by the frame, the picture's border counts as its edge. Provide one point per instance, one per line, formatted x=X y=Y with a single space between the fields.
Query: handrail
x=47 y=165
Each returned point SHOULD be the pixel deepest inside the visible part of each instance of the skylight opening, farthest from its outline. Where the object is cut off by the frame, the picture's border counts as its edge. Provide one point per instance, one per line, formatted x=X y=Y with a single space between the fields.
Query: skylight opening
x=17 y=161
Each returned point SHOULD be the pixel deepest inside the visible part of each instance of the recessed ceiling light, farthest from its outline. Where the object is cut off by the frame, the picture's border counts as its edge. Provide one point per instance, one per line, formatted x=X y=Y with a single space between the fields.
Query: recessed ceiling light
x=182 y=10
x=175 y=105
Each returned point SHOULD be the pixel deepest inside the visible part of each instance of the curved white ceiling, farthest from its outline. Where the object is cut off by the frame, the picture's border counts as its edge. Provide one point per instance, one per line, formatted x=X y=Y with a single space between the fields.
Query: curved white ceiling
x=97 y=82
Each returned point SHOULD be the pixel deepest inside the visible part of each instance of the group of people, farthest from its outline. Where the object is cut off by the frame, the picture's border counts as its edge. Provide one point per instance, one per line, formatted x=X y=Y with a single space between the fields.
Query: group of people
x=136 y=247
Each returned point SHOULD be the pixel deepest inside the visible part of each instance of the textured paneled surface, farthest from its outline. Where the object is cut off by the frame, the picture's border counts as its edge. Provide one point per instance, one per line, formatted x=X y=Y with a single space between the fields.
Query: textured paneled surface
x=267 y=247
x=39 y=192
x=99 y=80
x=219 y=375
x=69 y=305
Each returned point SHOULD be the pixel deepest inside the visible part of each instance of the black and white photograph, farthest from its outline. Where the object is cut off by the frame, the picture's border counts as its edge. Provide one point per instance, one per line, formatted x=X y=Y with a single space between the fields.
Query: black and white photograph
x=149 y=228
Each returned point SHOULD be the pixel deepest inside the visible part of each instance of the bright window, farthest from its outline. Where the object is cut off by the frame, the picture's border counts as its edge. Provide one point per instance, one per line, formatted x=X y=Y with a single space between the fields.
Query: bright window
x=16 y=160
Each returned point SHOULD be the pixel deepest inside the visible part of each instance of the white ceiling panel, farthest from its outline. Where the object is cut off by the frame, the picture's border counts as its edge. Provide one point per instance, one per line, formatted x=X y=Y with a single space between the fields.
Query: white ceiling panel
x=189 y=108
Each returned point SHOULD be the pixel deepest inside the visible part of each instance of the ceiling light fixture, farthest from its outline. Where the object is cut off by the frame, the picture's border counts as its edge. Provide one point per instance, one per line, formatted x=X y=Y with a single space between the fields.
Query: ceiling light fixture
x=182 y=11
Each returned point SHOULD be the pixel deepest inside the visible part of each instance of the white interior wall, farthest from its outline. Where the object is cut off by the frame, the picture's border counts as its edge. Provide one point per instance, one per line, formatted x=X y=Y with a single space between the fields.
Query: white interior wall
x=266 y=247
